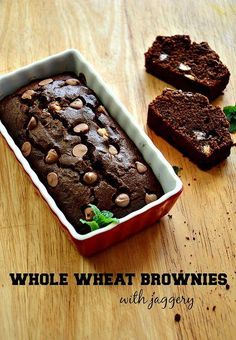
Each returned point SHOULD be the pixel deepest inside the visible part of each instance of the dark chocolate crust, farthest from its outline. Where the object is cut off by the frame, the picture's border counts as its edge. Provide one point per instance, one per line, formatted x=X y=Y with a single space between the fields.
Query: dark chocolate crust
x=192 y=125
x=187 y=65
x=45 y=119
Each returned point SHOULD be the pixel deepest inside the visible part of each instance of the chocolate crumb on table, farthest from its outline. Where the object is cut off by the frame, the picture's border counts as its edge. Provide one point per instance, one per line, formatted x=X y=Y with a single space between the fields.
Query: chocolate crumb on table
x=191 y=124
x=187 y=65
x=227 y=286
x=177 y=317
x=79 y=152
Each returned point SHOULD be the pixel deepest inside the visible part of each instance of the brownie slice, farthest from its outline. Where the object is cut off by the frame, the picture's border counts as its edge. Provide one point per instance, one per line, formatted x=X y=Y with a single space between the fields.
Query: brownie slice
x=79 y=152
x=191 y=124
x=187 y=65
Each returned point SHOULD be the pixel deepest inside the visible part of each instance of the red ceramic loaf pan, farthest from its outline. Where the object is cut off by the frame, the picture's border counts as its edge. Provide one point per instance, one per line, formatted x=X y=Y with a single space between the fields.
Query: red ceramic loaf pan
x=95 y=241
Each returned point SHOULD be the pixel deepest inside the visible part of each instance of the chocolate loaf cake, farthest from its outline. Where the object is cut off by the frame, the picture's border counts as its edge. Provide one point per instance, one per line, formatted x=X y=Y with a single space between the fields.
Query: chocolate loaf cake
x=79 y=152
x=187 y=65
x=191 y=124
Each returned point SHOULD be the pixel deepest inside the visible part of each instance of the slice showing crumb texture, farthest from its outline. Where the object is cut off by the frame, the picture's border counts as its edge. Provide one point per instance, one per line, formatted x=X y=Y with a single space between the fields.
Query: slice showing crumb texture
x=191 y=124
x=187 y=65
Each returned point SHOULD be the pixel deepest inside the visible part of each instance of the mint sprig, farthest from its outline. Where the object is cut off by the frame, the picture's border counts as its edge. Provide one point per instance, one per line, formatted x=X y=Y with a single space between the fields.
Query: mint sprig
x=100 y=219
x=230 y=112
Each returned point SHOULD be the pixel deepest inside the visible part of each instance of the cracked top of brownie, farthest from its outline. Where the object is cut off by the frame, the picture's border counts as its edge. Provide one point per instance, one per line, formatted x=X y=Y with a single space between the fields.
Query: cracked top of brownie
x=78 y=151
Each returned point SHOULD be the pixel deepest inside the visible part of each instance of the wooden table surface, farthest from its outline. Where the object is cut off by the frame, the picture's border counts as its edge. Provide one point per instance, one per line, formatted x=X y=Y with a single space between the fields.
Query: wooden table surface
x=200 y=236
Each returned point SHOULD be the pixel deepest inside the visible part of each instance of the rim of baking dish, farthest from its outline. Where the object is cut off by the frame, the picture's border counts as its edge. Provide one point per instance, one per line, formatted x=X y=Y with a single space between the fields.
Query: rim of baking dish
x=130 y=119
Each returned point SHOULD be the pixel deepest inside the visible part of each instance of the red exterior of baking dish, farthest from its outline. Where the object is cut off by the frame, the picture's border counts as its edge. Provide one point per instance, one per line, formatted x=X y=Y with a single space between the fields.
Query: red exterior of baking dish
x=101 y=241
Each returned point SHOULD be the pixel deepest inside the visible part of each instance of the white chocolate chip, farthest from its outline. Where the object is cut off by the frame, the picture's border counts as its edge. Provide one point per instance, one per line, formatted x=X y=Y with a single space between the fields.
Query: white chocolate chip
x=200 y=135
x=77 y=104
x=45 y=81
x=79 y=150
x=140 y=167
x=122 y=200
x=150 y=198
x=163 y=56
x=54 y=106
x=189 y=76
x=184 y=67
x=81 y=128
x=28 y=94
x=207 y=150
x=72 y=82
x=26 y=149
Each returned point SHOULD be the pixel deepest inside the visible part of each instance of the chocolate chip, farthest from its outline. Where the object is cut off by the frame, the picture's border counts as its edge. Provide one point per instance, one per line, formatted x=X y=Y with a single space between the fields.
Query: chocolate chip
x=52 y=179
x=79 y=150
x=112 y=150
x=90 y=177
x=150 y=198
x=28 y=94
x=45 y=81
x=54 y=106
x=26 y=149
x=88 y=212
x=32 y=123
x=122 y=200
x=141 y=167
x=72 y=81
x=82 y=127
x=103 y=132
x=77 y=104
x=51 y=157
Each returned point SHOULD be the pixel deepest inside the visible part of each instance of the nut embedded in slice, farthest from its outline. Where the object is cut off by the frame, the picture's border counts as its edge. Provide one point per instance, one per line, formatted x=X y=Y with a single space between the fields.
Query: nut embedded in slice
x=51 y=157
x=141 y=168
x=122 y=200
x=72 y=81
x=45 y=81
x=88 y=212
x=77 y=104
x=79 y=150
x=112 y=150
x=32 y=123
x=150 y=198
x=52 y=179
x=90 y=177
x=103 y=132
x=28 y=94
x=207 y=150
x=81 y=128
x=26 y=149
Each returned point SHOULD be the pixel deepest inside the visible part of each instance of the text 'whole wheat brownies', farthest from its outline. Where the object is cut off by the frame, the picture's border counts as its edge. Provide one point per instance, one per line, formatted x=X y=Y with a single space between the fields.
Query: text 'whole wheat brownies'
x=191 y=124
x=187 y=65
x=78 y=151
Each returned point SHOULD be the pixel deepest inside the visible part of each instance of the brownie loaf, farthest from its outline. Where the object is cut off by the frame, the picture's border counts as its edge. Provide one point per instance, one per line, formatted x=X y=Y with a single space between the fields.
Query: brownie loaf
x=79 y=152
x=187 y=66
x=191 y=124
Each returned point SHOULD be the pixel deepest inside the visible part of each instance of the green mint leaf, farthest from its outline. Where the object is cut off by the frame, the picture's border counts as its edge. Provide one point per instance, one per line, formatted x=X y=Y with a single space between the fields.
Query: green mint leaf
x=100 y=218
x=92 y=224
x=177 y=169
x=107 y=213
x=230 y=112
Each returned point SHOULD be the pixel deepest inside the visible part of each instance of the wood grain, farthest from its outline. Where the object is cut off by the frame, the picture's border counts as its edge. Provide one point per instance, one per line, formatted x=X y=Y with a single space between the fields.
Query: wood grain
x=113 y=35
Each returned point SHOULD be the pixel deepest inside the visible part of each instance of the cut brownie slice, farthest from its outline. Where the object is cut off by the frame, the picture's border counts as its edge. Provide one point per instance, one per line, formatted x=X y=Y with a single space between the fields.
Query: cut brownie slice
x=187 y=66
x=191 y=124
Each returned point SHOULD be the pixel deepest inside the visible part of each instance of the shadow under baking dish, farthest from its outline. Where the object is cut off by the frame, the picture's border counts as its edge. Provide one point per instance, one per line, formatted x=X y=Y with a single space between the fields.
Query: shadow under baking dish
x=72 y=61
